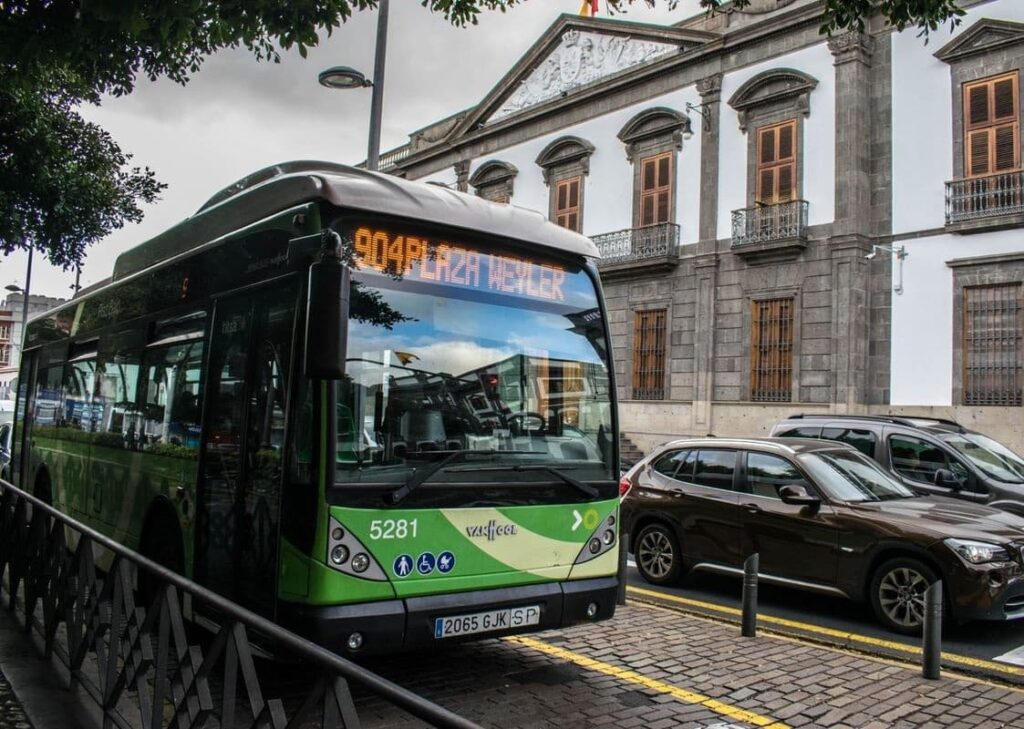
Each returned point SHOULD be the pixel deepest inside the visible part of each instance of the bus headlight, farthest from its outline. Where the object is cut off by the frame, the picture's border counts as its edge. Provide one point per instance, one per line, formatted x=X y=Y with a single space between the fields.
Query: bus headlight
x=360 y=562
x=601 y=540
x=345 y=553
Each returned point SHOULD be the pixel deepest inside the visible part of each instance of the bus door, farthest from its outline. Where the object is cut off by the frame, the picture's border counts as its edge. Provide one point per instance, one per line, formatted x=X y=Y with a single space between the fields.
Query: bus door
x=244 y=444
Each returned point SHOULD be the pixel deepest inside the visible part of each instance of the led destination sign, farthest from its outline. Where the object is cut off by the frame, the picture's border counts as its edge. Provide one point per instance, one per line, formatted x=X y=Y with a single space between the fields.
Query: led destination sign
x=423 y=259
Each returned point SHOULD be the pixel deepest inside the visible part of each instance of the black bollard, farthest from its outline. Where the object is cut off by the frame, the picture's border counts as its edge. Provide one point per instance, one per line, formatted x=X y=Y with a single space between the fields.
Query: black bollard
x=620 y=597
x=932 y=639
x=750 y=568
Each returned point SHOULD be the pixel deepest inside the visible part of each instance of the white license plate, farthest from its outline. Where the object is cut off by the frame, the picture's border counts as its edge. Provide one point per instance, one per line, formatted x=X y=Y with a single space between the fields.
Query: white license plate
x=517 y=617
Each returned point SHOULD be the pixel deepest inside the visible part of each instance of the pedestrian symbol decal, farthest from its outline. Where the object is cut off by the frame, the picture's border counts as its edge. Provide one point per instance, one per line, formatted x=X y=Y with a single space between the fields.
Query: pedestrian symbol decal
x=445 y=562
x=425 y=564
x=403 y=565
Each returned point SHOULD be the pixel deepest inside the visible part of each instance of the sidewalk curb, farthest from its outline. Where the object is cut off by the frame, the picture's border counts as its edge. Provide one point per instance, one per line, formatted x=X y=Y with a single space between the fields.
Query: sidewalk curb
x=957 y=666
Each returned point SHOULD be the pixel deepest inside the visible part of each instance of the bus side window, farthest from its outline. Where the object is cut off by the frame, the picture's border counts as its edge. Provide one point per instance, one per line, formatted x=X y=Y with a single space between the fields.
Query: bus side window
x=79 y=386
x=48 y=401
x=117 y=380
x=171 y=399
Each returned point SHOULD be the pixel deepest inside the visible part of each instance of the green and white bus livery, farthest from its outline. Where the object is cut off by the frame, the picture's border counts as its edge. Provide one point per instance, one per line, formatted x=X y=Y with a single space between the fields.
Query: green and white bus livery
x=380 y=412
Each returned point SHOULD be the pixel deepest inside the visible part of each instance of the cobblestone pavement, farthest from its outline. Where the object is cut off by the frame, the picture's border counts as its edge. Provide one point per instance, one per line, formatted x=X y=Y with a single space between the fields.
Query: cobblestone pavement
x=12 y=714
x=655 y=668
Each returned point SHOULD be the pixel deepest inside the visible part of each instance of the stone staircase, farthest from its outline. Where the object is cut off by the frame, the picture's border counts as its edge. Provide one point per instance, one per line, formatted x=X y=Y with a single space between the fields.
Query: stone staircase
x=629 y=453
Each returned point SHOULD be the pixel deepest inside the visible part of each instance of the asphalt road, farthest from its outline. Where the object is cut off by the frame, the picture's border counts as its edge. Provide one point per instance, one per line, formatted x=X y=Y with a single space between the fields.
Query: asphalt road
x=984 y=640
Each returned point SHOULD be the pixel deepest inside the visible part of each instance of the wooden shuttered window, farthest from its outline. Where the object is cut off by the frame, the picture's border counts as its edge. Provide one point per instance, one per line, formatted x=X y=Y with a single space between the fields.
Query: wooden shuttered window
x=771 y=355
x=649 y=355
x=776 y=163
x=992 y=352
x=568 y=203
x=656 y=189
x=991 y=126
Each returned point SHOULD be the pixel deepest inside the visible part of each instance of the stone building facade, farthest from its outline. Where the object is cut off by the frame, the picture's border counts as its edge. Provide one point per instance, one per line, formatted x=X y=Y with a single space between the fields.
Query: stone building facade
x=764 y=198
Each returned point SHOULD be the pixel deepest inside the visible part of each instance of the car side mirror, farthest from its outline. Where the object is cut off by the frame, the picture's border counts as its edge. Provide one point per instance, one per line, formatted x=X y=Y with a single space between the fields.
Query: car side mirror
x=947 y=479
x=797 y=496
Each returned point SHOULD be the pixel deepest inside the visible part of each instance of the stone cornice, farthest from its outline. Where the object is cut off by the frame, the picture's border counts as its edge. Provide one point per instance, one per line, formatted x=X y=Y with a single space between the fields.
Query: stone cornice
x=852 y=46
x=711 y=53
x=984 y=36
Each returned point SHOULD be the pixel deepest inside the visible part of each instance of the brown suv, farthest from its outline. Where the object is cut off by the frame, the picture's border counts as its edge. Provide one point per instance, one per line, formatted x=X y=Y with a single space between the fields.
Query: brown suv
x=821 y=517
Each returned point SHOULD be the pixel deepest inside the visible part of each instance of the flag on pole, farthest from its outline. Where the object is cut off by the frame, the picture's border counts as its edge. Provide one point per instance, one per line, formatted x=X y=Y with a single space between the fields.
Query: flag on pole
x=588 y=8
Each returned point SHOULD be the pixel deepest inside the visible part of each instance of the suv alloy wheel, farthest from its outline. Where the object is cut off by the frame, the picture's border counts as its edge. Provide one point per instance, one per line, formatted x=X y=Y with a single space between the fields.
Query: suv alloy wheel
x=658 y=558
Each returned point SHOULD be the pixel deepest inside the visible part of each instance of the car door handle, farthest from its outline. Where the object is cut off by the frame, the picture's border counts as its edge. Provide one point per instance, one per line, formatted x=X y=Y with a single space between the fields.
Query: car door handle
x=678 y=493
x=752 y=508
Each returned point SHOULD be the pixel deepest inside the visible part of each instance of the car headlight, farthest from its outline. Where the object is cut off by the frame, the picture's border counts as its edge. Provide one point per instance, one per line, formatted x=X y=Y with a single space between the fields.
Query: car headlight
x=978 y=552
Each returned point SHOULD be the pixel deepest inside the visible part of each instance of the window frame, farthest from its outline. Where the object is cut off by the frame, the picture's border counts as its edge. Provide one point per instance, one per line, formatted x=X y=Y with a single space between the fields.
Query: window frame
x=561 y=215
x=653 y=379
x=668 y=189
x=1013 y=397
x=759 y=392
x=734 y=487
x=777 y=164
x=991 y=125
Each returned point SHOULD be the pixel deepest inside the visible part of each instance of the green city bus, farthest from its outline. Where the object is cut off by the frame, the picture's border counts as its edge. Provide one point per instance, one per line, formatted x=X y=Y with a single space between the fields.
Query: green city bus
x=380 y=412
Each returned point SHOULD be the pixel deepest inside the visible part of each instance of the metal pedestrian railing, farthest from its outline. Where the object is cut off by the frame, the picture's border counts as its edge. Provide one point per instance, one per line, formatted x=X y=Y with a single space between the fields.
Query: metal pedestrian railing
x=638 y=244
x=137 y=660
x=976 y=198
x=772 y=222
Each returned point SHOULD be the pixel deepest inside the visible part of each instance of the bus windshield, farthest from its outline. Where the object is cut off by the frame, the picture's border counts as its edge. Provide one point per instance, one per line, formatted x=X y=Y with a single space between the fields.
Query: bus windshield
x=488 y=353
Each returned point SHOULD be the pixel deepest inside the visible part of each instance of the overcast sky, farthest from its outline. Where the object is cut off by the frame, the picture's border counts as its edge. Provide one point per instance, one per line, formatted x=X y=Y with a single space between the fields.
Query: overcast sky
x=238 y=115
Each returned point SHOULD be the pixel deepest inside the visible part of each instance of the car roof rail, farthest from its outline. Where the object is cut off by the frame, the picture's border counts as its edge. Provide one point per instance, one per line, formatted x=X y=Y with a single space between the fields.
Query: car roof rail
x=911 y=420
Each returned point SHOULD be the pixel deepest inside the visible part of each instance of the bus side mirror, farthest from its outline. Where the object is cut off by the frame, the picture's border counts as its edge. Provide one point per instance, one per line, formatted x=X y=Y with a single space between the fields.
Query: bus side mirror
x=330 y=283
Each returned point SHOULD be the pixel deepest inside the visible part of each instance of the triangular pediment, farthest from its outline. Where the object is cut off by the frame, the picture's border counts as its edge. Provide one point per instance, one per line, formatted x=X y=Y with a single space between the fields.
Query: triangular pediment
x=984 y=36
x=575 y=54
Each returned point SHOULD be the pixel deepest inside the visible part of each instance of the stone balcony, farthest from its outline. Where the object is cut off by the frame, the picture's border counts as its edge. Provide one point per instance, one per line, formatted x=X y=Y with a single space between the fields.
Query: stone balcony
x=778 y=230
x=646 y=249
x=991 y=202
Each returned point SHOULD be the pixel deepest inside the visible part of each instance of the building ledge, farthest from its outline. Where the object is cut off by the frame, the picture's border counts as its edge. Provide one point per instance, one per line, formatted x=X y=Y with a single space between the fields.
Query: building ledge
x=783 y=249
x=986 y=224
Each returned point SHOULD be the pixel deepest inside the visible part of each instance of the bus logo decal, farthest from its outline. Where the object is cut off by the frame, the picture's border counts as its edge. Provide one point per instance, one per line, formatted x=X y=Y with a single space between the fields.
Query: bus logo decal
x=491 y=530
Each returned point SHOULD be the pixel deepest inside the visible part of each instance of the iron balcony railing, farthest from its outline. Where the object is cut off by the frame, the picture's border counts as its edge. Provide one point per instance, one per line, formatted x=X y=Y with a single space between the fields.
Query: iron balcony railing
x=638 y=244
x=137 y=662
x=767 y=223
x=975 y=198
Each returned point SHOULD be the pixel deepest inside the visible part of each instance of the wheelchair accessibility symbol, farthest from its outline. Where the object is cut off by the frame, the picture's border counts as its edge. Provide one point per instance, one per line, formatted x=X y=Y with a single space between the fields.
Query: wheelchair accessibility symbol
x=425 y=564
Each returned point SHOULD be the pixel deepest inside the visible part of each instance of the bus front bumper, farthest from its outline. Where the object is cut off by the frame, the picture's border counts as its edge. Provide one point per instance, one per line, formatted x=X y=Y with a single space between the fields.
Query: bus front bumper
x=392 y=626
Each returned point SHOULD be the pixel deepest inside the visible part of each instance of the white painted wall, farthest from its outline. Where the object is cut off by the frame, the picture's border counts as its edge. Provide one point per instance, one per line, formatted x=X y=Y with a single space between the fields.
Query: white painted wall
x=922 y=120
x=922 y=317
x=608 y=189
x=818 y=165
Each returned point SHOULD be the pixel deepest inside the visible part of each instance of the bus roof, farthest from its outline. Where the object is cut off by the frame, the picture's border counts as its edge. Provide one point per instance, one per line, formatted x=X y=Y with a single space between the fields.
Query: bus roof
x=286 y=185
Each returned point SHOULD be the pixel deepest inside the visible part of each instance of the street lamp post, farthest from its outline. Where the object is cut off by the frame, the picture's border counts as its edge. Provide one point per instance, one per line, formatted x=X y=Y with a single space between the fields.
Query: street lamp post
x=13 y=288
x=345 y=77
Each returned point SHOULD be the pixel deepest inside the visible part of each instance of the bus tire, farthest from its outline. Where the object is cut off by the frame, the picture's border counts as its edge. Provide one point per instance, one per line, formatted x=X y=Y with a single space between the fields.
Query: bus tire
x=162 y=543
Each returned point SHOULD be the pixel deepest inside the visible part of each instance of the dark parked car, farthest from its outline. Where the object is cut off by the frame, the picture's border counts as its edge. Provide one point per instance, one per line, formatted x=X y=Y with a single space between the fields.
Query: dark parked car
x=821 y=517
x=931 y=456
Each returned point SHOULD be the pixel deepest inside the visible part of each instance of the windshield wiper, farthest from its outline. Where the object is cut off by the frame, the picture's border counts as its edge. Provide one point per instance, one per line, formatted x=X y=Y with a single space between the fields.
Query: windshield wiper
x=418 y=477
x=575 y=483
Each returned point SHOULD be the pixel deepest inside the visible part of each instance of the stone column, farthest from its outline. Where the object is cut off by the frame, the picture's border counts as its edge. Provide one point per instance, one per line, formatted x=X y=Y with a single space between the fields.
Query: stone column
x=705 y=270
x=710 y=90
x=851 y=230
x=462 y=175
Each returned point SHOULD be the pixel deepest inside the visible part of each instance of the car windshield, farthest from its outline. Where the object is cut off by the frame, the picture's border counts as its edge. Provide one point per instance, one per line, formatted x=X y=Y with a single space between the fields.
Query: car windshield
x=992 y=457
x=849 y=476
x=493 y=354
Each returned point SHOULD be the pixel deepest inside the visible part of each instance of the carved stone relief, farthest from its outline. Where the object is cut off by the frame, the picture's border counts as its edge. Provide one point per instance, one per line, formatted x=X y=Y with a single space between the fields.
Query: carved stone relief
x=580 y=59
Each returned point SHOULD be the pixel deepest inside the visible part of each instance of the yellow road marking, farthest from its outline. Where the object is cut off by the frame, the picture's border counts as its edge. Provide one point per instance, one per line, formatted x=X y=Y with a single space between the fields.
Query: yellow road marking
x=854 y=638
x=624 y=674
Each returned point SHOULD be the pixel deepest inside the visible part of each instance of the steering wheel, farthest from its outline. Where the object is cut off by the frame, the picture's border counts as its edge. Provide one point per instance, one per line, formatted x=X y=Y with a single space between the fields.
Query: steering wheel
x=525 y=422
